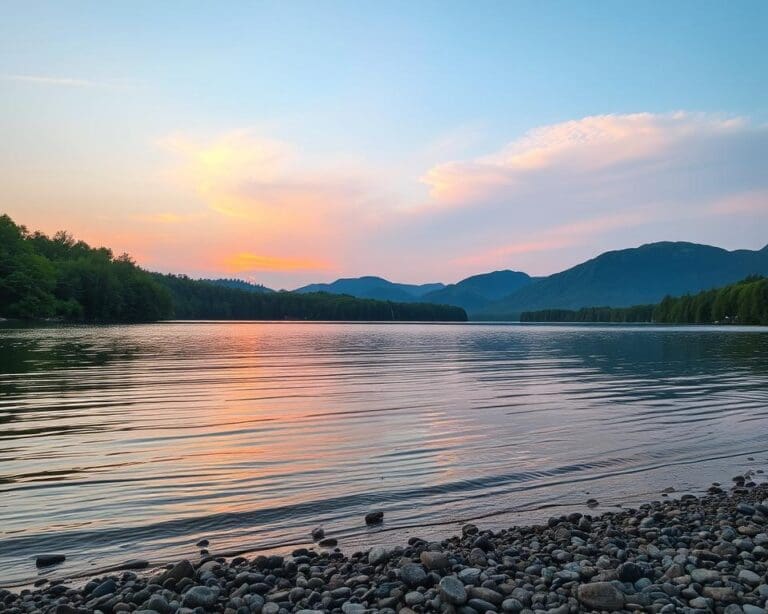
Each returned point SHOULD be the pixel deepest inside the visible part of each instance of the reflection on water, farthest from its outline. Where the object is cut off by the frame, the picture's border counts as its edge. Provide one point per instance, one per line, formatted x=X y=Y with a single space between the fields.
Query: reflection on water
x=135 y=441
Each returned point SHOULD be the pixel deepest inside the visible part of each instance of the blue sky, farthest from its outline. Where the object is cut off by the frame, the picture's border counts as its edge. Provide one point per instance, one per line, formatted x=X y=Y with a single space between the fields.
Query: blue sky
x=295 y=141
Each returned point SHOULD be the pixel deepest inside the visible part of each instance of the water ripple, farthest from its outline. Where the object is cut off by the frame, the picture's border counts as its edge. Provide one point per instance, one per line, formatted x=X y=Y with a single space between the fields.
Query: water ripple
x=134 y=441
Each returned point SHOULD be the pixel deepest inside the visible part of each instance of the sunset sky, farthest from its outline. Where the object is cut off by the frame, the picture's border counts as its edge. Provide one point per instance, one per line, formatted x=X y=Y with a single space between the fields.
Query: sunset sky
x=287 y=142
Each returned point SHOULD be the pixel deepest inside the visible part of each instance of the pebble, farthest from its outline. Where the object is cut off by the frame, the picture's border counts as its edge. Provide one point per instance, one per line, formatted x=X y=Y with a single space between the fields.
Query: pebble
x=46 y=560
x=413 y=575
x=374 y=518
x=749 y=577
x=452 y=590
x=705 y=576
x=105 y=588
x=434 y=560
x=470 y=575
x=413 y=598
x=690 y=555
x=377 y=554
x=200 y=597
x=601 y=596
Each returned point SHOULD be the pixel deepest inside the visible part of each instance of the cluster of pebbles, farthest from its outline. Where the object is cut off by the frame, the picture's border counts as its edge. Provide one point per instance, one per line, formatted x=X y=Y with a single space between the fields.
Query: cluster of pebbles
x=692 y=554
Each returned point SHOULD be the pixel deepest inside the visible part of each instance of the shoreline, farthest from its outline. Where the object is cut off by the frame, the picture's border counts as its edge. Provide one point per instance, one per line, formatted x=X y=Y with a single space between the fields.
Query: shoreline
x=692 y=554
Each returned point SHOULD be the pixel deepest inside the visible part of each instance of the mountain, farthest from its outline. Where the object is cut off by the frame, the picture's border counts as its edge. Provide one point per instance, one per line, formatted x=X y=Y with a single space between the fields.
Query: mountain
x=636 y=276
x=200 y=300
x=238 y=284
x=374 y=287
x=476 y=292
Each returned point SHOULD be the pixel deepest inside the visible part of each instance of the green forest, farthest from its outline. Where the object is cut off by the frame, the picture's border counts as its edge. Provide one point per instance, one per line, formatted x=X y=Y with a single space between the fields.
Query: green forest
x=209 y=301
x=745 y=302
x=639 y=313
x=61 y=278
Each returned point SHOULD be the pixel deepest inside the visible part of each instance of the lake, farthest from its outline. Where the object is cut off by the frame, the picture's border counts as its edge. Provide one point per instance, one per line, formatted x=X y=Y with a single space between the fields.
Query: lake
x=125 y=442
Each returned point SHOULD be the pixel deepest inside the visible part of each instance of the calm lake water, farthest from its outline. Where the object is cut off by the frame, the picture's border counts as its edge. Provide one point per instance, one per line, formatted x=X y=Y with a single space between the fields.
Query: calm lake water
x=123 y=442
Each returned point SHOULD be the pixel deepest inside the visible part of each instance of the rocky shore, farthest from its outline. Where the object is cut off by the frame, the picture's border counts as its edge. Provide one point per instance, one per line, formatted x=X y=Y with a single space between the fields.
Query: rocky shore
x=692 y=554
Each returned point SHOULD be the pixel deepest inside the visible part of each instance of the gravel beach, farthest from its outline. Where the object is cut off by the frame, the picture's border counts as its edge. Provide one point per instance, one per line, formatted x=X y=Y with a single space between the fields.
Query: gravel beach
x=692 y=554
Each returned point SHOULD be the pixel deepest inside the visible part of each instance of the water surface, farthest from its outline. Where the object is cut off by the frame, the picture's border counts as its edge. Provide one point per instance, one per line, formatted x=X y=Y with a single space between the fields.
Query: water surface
x=121 y=442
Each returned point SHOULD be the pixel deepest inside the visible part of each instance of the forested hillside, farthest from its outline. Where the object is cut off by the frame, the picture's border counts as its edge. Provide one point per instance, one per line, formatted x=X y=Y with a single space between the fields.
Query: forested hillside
x=58 y=277
x=203 y=300
x=636 y=276
x=46 y=277
x=745 y=302
x=638 y=313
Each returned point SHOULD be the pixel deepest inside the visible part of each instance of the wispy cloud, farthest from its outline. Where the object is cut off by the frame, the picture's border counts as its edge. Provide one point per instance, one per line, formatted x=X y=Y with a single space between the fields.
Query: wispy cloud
x=742 y=203
x=247 y=203
x=564 y=236
x=586 y=153
x=47 y=80
x=167 y=217
x=248 y=262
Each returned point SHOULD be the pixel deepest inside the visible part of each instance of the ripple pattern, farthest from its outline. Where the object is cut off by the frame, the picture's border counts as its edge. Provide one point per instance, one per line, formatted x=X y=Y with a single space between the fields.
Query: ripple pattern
x=121 y=442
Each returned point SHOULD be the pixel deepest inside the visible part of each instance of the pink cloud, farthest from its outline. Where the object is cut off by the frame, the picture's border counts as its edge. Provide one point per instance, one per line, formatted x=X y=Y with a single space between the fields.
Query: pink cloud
x=562 y=237
x=271 y=211
x=574 y=149
x=748 y=202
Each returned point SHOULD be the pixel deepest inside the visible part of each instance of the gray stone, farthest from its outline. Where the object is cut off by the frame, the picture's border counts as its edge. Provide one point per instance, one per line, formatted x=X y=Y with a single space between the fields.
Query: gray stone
x=705 y=576
x=470 y=575
x=481 y=605
x=46 y=560
x=719 y=593
x=701 y=603
x=158 y=603
x=435 y=560
x=105 y=588
x=629 y=572
x=601 y=596
x=372 y=518
x=182 y=569
x=377 y=554
x=511 y=605
x=486 y=594
x=413 y=598
x=749 y=577
x=413 y=575
x=270 y=608
x=200 y=597
x=452 y=590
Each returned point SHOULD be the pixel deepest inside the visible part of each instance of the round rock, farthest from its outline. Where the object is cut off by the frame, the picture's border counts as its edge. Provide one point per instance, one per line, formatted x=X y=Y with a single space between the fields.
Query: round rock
x=601 y=596
x=452 y=590
x=413 y=575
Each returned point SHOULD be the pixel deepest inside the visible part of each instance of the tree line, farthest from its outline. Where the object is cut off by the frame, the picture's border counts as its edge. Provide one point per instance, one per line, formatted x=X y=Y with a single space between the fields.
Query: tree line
x=638 y=313
x=745 y=302
x=193 y=299
x=59 y=277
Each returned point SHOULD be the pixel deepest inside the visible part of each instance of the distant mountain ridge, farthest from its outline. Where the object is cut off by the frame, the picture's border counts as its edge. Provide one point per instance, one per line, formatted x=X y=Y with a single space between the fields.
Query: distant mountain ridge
x=371 y=286
x=619 y=278
x=634 y=276
x=478 y=291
